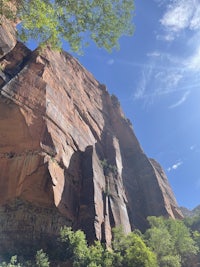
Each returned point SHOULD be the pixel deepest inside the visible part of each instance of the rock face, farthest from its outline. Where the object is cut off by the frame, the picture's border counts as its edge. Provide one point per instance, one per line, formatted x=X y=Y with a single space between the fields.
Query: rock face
x=68 y=155
x=7 y=37
x=190 y=213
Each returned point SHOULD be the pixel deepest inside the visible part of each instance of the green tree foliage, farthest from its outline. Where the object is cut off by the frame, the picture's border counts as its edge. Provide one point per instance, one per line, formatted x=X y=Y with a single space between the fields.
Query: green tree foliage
x=41 y=259
x=13 y=263
x=108 y=168
x=171 y=240
x=76 y=246
x=131 y=251
x=50 y=21
x=196 y=237
x=193 y=222
x=127 y=250
x=167 y=243
x=83 y=255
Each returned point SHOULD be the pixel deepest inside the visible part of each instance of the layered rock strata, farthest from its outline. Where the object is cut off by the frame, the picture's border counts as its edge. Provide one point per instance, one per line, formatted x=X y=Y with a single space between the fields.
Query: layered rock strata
x=68 y=155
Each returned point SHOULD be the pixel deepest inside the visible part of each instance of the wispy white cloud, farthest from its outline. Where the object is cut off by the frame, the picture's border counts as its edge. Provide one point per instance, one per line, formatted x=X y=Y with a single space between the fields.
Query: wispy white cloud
x=166 y=37
x=195 y=21
x=153 y=54
x=141 y=91
x=165 y=72
x=180 y=15
x=111 y=61
x=159 y=77
x=192 y=147
x=193 y=62
x=175 y=166
x=169 y=78
x=195 y=148
x=160 y=2
x=180 y=101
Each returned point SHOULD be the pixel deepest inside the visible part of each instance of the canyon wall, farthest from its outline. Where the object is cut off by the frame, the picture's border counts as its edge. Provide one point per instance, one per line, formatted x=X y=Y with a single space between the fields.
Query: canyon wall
x=68 y=154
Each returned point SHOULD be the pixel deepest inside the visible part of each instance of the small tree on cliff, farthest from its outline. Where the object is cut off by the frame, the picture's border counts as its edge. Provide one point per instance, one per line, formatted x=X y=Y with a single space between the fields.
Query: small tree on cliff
x=76 y=21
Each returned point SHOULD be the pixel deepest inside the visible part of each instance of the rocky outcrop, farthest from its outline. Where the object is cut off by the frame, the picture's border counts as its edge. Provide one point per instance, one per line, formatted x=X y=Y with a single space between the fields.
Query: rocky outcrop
x=7 y=36
x=68 y=154
x=190 y=213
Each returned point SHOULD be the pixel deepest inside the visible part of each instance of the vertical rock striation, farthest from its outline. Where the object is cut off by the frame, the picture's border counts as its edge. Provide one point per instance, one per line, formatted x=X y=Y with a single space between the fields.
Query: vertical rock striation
x=7 y=36
x=68 y=155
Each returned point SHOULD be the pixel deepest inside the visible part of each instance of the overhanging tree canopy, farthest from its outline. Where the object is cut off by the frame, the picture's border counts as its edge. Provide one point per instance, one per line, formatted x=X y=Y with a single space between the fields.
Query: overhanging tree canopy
x=76 y=21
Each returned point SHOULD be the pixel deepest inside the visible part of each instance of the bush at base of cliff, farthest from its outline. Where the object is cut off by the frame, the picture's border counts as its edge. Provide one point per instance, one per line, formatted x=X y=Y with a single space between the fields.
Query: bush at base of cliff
x=127 y=250
x=171 y=241
x=41 y=260
x=167 y=243
x=132 y=250
x=13 y=263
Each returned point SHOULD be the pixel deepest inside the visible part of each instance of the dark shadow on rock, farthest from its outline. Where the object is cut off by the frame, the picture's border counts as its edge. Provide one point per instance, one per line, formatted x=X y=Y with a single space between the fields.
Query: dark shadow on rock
x=26 y=228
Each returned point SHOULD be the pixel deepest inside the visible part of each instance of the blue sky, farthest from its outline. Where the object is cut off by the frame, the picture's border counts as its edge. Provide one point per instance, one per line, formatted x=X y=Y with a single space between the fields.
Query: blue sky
x=155 y=75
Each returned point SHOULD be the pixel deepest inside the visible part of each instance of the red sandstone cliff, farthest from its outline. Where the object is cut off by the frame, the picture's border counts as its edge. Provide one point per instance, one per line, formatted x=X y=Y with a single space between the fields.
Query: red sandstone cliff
x=68 y=155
